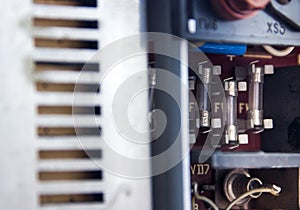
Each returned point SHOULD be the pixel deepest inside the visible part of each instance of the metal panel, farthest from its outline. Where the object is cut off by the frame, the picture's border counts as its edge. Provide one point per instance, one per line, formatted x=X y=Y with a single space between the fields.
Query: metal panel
x=122 y=19
x=18 y=155
x=264 y=28
x=63 y=55
x=89 y=206
x=66 y=77
x=229 y=160
x=67 y=165
x=171 y=189
x=68 y=143
x=66 y=33
x=65 y=12
x=19 y=163
x=69 y=187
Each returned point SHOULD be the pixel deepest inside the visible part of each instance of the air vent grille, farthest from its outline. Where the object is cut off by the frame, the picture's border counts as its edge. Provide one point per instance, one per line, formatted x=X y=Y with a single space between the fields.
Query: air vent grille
x=66 y=36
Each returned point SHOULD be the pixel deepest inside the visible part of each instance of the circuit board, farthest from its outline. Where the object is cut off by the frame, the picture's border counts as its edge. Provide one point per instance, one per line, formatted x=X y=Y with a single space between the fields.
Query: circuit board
x=211 y=180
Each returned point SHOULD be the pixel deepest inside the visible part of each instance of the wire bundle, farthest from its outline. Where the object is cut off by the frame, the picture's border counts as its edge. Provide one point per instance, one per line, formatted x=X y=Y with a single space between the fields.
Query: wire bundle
x=273 y=190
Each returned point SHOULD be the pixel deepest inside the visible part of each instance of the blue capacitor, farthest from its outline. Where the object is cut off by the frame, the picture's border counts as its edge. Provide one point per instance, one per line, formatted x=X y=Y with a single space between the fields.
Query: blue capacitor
x=226 y=49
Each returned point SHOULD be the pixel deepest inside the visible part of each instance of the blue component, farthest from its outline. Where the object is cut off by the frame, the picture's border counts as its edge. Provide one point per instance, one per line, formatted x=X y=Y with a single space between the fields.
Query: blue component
x=226 y=49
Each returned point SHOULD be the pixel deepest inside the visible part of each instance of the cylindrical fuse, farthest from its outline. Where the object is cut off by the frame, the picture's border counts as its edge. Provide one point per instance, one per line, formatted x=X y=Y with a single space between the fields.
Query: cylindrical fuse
x=255 y=113
x=203 y=89
x=231 y=130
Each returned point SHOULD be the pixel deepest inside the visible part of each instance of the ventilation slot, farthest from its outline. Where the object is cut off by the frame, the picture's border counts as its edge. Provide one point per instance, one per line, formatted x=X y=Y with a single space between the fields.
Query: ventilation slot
x=64 y=43
x=70 y=154
x=64 y=66
x=69 y=131
x=64 y=87
x=70 y=175
x=47 y=22
x=71 y=198
x=84 y=3
x=66 y=37
x=68 y=110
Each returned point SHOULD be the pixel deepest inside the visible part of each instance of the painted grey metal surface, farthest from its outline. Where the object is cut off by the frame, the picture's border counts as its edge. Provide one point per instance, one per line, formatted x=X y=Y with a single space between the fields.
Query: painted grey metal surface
x=171 y=190
x=17 y=110
x=175 y=182
x=229 y=160
x=264 y=28
x=121 y=19
x=288 y=12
